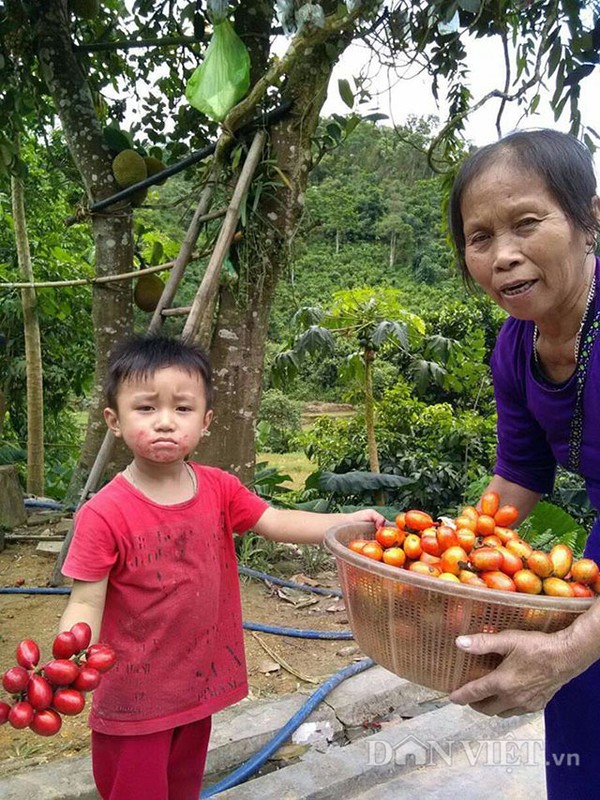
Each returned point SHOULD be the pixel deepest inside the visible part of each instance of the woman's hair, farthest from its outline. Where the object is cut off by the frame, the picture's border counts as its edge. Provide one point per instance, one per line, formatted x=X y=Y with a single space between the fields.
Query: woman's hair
x=140 y=357
x=559 y=159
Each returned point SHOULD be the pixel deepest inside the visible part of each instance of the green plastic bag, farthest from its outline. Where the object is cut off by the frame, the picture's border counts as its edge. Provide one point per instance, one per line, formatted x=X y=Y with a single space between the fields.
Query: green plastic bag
x=223 y=77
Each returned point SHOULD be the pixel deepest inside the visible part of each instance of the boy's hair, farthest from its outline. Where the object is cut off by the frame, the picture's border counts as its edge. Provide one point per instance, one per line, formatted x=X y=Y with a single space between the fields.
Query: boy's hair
x=140 y=357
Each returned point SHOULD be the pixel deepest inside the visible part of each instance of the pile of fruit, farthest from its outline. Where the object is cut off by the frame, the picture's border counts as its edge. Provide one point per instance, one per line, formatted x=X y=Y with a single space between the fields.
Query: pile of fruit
x=42 y=693
x=479 y=548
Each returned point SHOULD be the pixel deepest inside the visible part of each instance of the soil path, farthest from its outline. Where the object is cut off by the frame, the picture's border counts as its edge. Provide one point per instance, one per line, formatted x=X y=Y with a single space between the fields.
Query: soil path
x=36 y=617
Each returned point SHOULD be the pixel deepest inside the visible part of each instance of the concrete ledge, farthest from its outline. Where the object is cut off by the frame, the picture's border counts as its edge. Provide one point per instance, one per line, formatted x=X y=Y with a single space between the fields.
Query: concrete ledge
x=241 y=730
x=353 y=770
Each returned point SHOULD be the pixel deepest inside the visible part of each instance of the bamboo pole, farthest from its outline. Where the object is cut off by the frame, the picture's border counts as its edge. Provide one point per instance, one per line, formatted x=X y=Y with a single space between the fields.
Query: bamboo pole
x=106 y=448
x=124 y=276
x=210 y=281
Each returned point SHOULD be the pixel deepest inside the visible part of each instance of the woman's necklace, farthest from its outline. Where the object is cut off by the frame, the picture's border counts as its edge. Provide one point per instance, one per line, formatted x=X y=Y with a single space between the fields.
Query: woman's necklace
x=128 y=472
x=577 y=345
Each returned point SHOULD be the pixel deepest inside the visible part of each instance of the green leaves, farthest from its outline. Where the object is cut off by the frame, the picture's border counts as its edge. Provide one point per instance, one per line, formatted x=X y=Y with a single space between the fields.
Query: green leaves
x=548 y=524
x=116 y=139
x=358 y=482
x=389 y=329
x=315 y=341
x=346 y=92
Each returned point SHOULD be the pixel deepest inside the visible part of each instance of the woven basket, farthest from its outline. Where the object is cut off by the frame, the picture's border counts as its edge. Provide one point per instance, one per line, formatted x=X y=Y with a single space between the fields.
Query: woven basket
x=408 y=622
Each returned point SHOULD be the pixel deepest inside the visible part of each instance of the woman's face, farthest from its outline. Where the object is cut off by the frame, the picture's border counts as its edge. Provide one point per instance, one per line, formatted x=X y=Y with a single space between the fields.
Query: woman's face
x=519 y=245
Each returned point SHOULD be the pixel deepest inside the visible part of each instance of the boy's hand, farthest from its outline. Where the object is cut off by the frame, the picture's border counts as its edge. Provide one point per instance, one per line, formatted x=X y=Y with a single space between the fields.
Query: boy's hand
x=365 y=515
x=307 y=527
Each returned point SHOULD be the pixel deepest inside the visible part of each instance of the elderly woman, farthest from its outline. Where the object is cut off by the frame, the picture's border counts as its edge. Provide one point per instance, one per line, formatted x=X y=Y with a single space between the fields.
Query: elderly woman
x=524 y=216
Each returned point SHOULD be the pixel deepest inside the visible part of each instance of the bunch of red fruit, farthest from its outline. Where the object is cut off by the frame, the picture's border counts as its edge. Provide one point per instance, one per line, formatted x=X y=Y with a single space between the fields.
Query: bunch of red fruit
x=42 y=693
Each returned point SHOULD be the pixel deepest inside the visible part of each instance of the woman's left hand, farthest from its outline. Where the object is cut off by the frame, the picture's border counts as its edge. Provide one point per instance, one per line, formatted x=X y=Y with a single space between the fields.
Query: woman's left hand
x=534 y=667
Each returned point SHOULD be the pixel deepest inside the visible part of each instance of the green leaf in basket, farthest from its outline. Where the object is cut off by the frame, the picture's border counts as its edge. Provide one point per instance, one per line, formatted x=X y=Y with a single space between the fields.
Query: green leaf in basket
x=548 y=525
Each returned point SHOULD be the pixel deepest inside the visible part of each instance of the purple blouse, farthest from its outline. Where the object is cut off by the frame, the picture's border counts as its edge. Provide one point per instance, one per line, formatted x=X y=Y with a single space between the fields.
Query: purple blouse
x=534 y=417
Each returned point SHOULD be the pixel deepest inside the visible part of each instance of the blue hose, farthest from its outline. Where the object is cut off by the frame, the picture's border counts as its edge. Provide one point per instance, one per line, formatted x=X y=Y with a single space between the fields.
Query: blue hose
x=254 y=573
x=253 y=764
x=250 y=626
x=35 y=590
x=31 y=502
x=299 y=632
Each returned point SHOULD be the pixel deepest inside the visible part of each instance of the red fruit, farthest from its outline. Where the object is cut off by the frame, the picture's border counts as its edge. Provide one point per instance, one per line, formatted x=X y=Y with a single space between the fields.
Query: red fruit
x=61 y=672
x=4 y=709
x=20 y=714
x=417 y=520
x=371 y=549
x=490 y=502
x=430 y=544
x=68 y=701
x=28 y=653
x=506 y=516
x=499 y=580
x=87 y=680
x=65 y=645
x=585 y=570
x=447 y=537
x=15 y=680
x=46 y=723
x=83 y=635
x=486 y=559
x=386 y=536
x=102 y=657
x=39 y=693
x=579 y=590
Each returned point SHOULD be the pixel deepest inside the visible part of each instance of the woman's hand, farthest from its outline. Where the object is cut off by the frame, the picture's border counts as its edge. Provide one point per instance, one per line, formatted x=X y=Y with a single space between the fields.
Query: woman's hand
x=534 y=667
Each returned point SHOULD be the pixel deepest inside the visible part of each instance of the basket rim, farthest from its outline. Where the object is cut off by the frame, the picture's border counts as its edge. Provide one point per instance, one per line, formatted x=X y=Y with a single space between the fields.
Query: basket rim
x=456 y=590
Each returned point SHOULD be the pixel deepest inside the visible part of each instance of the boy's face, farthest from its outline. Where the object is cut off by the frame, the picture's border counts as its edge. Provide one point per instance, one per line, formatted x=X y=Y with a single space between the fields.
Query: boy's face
x=161 y=419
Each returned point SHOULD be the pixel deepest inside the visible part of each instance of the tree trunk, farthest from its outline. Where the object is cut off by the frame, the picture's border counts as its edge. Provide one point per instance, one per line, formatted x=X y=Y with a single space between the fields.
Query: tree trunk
x=112 y=230
x=33 y=348
x=240 y=331
x=393 y=249
x=238 y=350
x=369 y=412
x=2 y=411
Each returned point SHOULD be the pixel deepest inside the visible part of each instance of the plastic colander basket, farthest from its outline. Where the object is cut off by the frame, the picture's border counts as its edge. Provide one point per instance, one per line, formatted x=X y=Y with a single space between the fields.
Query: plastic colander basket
x=408 y=622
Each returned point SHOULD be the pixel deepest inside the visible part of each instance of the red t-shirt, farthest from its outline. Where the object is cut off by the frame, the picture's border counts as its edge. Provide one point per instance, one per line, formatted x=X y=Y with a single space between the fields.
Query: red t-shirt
x=173 y=610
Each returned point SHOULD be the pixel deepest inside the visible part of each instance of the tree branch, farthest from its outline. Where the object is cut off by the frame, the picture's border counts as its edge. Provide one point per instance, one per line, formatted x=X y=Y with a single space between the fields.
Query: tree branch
x=127 y=44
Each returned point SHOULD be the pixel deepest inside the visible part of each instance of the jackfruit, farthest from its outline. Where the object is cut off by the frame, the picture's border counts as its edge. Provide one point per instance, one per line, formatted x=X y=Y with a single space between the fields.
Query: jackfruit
x=154 y=166
x=84 y=9
x=137 y=198
x=128 y=168
x=147 y=292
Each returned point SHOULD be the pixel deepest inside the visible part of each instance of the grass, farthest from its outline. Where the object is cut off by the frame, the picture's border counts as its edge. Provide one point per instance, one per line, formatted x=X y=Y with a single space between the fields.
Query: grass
x=296 y=465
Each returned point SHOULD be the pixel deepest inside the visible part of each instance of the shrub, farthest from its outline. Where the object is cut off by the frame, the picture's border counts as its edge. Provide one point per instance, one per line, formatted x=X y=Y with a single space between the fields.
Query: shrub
x=283 y=418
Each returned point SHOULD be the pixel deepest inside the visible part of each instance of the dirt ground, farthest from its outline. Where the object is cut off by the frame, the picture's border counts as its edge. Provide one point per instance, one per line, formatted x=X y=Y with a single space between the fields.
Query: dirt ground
x=276 y=664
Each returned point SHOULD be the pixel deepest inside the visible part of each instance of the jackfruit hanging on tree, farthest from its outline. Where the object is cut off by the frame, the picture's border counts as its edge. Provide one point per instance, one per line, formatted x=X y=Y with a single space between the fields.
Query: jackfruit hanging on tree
x=147 y=292
x=128 y=168
x=84 y=9
x=154 y=166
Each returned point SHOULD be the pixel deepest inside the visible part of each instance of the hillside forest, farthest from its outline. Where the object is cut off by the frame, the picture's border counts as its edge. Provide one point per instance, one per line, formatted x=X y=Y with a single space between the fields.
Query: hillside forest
x=370 y=272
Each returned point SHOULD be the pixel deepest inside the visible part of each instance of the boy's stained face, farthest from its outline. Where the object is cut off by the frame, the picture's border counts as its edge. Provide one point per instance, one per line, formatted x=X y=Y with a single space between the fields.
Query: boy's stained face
x=161 y=419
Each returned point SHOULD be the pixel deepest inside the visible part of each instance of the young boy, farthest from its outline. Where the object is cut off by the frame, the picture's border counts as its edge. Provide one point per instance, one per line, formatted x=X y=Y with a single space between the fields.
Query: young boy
x=154 y=574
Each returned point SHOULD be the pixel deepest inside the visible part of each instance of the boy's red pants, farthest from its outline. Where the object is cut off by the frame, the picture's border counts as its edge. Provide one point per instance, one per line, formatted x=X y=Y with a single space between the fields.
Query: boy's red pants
x=155 y=766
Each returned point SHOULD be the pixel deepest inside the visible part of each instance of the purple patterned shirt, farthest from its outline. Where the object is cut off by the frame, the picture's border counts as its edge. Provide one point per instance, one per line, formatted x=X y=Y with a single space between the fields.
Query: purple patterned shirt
x=534 y=416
